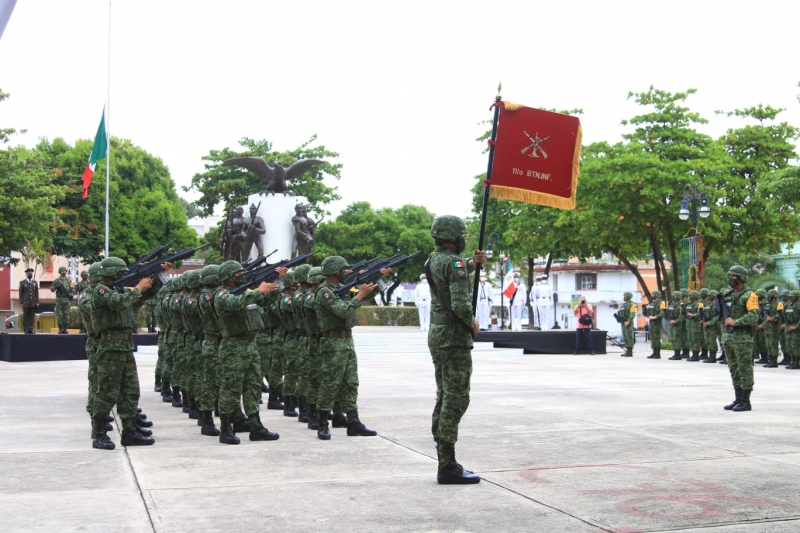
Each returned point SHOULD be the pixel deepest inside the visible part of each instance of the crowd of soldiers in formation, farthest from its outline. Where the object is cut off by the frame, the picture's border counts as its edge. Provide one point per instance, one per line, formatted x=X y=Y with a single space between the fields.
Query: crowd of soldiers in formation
x=696 y=327
x=216 y=348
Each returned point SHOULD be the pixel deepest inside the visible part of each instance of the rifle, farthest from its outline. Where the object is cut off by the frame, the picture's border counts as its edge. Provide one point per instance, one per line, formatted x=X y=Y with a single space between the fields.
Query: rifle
x=149 y=270
x=63 y=290
x=253 y=263
x=373 y=274
x=250 y=228
x=722 y=307
x=149 y=256
x=268 y=273
x=617 y=318
x=703 y=318
x=355 y=267
x=667 y=313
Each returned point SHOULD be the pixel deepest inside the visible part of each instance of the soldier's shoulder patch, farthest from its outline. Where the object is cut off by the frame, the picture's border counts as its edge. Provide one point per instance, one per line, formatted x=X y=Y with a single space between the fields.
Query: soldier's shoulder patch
x=101 y=291
x=222 y=294
x=701 y=306
x=207 y=296
x=287 y=299
x=632 y=309
x=327 y=295
x=780 y=306
x=752 y=302
x=459 y=264
x=191 y=302
x=309 y=297
x=662 y=306
x=298 y=295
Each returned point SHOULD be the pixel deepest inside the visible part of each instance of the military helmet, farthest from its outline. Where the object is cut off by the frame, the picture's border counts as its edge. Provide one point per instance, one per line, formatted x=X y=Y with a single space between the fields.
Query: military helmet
x=62 y=269
x=684 y=292
x=111 y=266
x=628 y=295
x=740 y=271
x=703 y=291
x=713 y=293
x=84 y=273
x=228 y=269
x=333 y=265
x=178 y=282
x=208 y=275
x=785 y=292
x=315 y=276
x=772 y=292
x=191 y=279
x=656 y=294
x=761 y=292
x=301 y=273
x=794 y=294
x=694 y=294
x=288 y=280
x=448 y=227
x=94 y=273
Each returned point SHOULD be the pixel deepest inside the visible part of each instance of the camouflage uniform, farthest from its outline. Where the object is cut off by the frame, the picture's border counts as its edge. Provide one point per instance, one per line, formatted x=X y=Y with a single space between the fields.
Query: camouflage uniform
x=208 y=390
x=627 y=313
x=62 y=300
x=772 y=328
x=693 y=325
x=177 y=342
x=275 y=364
x=792 y=313
x=782 y=339
x=655 y=311
x=85 y=310
x=150 y=314
x=703 y=316
x=685 y=323
x=80 y=287
x=743 y=305
x=159 y=321
x=166 y=355
x=291 y=347
x=194 y=340
x=314 y=366
x=300 y=275
x=711 y=326
x=676 y=328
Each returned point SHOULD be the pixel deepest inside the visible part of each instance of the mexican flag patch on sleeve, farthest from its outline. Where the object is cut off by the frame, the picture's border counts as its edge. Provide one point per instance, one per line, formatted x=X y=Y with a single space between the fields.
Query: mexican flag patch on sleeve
x=459 y=264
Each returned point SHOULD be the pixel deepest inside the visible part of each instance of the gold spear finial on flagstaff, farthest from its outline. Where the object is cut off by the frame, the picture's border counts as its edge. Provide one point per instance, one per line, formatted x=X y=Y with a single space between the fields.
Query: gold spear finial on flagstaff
x=499 y=89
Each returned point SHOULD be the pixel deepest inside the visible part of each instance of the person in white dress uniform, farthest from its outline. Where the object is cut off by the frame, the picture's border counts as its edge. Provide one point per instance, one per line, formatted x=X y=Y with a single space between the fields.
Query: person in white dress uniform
x=422 y=299
x=518 y=303
x=484 y=303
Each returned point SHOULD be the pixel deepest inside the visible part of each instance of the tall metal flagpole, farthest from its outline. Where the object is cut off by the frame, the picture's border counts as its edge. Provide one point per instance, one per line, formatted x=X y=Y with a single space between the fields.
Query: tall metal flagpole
x=497 y=101
x=108 y=122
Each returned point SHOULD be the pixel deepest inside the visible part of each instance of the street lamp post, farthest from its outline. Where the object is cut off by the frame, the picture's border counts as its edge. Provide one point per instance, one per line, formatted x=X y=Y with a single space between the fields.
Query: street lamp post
x=694 y=195
x=494 y=240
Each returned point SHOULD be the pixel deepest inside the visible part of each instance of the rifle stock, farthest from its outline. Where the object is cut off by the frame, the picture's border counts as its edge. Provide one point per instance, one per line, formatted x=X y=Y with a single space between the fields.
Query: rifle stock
x=723 y=308
x=149 y=270
x=374 y=273
x=269 y=274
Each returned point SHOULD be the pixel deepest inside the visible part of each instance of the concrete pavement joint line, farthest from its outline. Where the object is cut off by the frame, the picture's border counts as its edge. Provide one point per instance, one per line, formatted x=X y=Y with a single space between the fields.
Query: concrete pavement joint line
x=135 y=477
x=697 y=527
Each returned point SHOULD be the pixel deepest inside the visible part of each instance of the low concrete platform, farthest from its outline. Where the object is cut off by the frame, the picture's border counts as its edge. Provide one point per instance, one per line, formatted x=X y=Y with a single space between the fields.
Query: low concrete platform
x=564 y=443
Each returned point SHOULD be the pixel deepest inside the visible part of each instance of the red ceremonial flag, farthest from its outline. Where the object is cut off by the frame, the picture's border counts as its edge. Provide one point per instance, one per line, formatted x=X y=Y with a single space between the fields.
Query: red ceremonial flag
x=536 y=157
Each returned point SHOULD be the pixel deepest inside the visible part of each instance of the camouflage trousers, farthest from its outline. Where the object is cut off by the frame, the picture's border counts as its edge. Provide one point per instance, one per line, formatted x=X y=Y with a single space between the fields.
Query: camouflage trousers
x=160 y=356
x=627 y=334
x=208 y=390
x=739 y=353
x=91 y=356
x=711 y=334
x=62 y=313
x=339 y=376
x=264 y=349
x=453 y=371
x=771 y=337
x=194 y=367
x=676 y=336
x=277 y=363
x=759 y=342
x=783 y=343
x=251 y=391
x=792 y=345
x=291 y=362
x=165 y=357
x=150 y=311
x=175 y=346
x=655 y=334
x=236 y=357
x=117 y=383
x=302 y=365
x=313 y=369
x=695 y=336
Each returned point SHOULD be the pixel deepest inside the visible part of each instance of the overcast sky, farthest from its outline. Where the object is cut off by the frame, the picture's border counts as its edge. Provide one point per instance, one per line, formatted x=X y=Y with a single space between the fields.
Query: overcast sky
x=399 y=89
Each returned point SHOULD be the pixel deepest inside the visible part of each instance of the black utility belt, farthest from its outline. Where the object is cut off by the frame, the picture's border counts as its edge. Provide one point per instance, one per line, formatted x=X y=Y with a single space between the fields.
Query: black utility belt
x=249 y=337
x=445 y=320
x=114 y=336
x=338 y=334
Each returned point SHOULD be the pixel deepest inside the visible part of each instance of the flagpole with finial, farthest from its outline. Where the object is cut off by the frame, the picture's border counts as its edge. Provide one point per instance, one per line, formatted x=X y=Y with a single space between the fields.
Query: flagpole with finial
x=108 y=122
x=486 y=184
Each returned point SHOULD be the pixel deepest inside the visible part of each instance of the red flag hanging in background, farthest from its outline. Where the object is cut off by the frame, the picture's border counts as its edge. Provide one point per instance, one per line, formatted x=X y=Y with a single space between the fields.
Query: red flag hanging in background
x=536 y=157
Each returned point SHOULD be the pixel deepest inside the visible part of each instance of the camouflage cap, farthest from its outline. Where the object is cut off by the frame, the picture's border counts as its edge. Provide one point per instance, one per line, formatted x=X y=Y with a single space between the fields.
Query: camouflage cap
x=739 y=271
x=228 y=269
x=94 y=273
x=333 y=265
x=178 y=282
x=62 y=269
x=192 y=279
x=208 y=275
x=301 y=273
x=448 y=227
x=315 y=275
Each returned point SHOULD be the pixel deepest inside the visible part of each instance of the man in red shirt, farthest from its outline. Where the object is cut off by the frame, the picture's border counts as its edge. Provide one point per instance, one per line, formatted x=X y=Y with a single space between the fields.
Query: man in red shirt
x=583 y=330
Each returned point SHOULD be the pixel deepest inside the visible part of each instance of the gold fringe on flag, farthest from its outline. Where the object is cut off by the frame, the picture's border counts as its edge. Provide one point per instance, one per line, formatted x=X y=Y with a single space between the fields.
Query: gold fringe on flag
x=540 y=198
x=508 y=106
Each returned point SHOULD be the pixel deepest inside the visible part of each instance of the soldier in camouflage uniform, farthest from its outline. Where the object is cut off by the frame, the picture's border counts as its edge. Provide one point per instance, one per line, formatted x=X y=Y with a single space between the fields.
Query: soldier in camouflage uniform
x=760 y=340
x=675 y=329
x=721 y=325
x=693 y=326
x=273 y=370
x=336 y=317
x=627 y=314
x=208 y=390
x=792 y=313
x=194 y=342
x=290 y=346
x=655 y=312
x=782 y=339
x=81 y=286
x=177 y=342
x=118 y=381
x=703 y=336
x=772 y=327
x=685 y=323
x=150 y=314
x=314 y=367
x=452 y=329
x=743 y=305
x=711 y=327
x=159 y=320
x=238 y=318
x=300 y=274
x=63 y=298
x=165 y=351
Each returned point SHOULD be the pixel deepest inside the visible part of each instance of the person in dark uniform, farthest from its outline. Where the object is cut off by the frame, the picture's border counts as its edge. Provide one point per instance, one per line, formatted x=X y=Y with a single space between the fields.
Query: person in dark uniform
x=29 y=298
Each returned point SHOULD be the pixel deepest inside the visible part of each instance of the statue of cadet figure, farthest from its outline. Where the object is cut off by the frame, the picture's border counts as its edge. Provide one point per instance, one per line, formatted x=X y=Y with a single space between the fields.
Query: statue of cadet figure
x=253 y=230
x=305 y=230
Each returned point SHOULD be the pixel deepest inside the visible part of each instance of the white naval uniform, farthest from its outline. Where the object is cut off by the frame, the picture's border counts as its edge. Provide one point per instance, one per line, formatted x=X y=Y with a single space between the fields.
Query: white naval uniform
x=422 y=299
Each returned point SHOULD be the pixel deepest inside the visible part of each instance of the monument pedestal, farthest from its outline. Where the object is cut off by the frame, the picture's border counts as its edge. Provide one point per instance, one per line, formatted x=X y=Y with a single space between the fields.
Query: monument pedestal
x=277 y=211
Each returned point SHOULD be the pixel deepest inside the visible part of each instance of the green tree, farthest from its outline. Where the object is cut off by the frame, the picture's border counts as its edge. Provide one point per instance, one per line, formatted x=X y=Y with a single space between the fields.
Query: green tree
x=231 y=185
x=144 y=208
x=190 y=209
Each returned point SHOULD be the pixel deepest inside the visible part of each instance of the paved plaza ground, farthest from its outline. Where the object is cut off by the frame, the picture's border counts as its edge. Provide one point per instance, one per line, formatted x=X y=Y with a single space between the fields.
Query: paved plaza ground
x=564 y=444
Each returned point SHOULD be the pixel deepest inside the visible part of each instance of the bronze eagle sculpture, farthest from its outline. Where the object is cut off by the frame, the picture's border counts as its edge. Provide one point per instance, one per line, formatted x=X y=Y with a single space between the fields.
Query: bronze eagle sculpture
x=276 y=176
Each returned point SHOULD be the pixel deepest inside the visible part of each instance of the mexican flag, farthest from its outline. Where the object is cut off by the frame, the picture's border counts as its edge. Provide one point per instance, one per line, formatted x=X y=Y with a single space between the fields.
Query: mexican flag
x=98 y=152
x=510 y=288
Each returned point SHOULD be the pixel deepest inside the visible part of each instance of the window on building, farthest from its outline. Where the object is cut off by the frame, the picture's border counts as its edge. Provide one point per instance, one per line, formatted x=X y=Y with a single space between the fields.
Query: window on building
x=586 y=282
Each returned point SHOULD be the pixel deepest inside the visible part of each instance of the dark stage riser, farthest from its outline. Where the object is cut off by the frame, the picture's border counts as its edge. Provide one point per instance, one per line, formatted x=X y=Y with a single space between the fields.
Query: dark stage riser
x=20 y=348
x=533 y=342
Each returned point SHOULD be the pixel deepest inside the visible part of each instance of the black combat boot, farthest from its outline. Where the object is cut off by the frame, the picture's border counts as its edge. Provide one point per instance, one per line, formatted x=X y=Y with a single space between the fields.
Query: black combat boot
x=323 y=433
x=142 y=421
x=273 y=402
x=744 y=403
x=187 y=404
x=226 y=435
x=143 y=431
x=656 y=354
x=194 y=410
x=785 y=360
x=450 y=472
x=338 y=420
x=258 y=431
x=736 y=400
x=722 y=359
x=264 y=387
x=703 y=354
x=676 y=356
x=771 y=363
x=208 y=427
x=627 y=353
x=100 y=439
x=763 y=359
x=157 y=386
x=685 y=354
x=303 y=417
x=313 y=421
x=241 y=424
x=176 y=397
x=355 y=428
x=131 y=437
x=695 y=356
x=712 y=357
x=166 y=392
x=289 y=406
